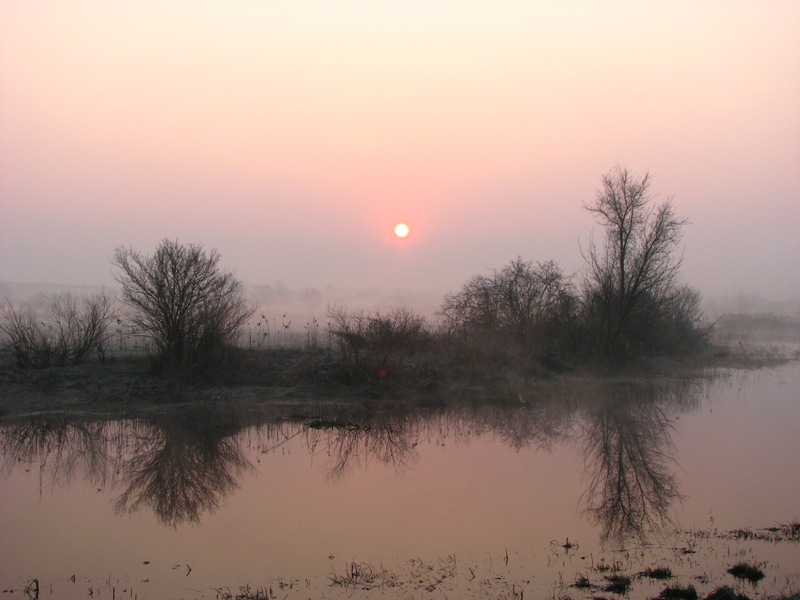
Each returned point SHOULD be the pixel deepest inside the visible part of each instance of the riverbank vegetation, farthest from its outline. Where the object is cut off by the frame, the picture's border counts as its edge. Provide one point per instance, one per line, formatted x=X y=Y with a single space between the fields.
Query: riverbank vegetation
x=184 y=322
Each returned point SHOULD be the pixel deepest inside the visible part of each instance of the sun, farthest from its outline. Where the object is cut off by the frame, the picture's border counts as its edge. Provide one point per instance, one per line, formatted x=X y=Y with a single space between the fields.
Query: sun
x=401 y=230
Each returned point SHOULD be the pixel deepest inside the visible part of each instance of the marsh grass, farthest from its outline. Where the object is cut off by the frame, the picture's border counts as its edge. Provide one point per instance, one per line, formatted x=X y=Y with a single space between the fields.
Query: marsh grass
x=657 y=573
x=364 y=576
x=783 y=532
x=245 y=593
x=751 y=573
x=678 y=593
x=726 y=593
x=617 y=584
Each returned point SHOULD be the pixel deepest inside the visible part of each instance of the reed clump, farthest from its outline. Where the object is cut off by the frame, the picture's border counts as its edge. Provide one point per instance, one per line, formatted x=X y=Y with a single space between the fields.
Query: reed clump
x=364 y=576
x=743 y=570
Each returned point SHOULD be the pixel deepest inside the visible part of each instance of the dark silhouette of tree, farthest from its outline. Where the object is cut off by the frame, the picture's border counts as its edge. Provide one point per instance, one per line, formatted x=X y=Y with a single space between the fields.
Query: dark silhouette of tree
x=182 y=299
x=531 y=305
x=631 y=294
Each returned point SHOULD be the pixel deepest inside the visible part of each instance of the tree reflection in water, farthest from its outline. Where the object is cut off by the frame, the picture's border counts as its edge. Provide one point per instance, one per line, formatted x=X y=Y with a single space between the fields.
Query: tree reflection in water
x=629 y=458
x=182 y=464
x=61 y=448
x=183 y=467
x=390 y=441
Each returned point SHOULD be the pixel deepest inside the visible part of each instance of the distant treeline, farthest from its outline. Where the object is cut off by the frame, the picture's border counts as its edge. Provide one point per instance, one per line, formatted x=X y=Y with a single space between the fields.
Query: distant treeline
x=527 y=317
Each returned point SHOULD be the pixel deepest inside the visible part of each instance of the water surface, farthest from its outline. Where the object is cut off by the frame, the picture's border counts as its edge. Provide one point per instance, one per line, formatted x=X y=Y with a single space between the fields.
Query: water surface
x=468 y=501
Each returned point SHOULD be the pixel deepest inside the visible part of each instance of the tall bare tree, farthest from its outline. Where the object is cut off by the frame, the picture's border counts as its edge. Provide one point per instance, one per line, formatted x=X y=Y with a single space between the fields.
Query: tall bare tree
x=182 y=299
x=631 y=279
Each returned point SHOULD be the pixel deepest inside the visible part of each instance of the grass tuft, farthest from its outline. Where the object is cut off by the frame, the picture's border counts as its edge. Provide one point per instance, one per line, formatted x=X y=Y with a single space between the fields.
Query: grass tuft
x=749 y=572
x=725 y=593
x=245 y=593
x=678 y=593
x=364 y=576
x=657 y=573
x=617 y=584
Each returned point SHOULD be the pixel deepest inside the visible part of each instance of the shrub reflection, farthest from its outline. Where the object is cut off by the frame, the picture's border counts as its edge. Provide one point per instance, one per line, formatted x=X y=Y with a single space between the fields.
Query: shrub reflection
x=183 y=464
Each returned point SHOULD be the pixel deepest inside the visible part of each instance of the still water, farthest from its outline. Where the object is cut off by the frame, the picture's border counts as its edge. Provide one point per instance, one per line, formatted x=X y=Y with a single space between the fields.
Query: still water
x=478 y=501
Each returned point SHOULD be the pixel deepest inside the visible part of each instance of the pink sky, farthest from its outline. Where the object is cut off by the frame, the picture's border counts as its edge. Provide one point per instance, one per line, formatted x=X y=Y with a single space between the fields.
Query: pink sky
x=292 y=136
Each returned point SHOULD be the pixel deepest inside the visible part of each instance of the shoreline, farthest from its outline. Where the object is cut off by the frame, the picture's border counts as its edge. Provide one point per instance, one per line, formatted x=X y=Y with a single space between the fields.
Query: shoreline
x=125 y=385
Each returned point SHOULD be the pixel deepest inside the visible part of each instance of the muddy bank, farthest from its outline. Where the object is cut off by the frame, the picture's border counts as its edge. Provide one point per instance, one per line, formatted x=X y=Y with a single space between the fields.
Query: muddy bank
x=297 y=378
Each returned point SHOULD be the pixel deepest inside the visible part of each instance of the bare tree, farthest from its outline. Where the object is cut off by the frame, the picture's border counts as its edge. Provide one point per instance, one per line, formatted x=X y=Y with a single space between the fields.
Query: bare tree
x=183 y=300
x=632 y=277
x=523 y=301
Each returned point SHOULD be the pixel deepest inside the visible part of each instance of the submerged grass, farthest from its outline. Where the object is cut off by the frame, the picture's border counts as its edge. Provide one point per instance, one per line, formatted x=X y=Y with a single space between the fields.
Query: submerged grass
x=751 y=573
x=617 y=584
x=657 y=573
x=783 y=532
x=364 y=576
x=678 y=593
x=725 y=593
x=245 y=593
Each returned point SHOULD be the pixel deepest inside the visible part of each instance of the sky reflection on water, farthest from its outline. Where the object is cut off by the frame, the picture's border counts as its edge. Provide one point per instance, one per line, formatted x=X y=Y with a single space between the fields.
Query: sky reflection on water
x=234 y=498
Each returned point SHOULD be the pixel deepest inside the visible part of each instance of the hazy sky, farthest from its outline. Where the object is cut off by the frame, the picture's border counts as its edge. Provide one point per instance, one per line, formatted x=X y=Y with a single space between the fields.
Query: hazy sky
x=292 y=136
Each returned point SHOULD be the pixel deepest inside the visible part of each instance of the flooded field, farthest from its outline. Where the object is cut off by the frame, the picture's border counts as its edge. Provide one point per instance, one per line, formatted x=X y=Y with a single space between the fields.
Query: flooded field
x=592 y=491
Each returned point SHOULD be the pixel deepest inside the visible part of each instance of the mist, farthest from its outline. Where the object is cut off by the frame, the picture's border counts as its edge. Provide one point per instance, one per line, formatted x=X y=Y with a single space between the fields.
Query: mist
x=292 y=139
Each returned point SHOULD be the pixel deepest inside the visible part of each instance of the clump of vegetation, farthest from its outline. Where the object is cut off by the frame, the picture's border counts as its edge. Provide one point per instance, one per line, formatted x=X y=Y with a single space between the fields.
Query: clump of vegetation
x=66 y=331
x=657 y=573
x=784 y=532
x=725 y=593
x=751 y=573
x=678 y=593
x=364 y=576
x=583 y=583
x=617 y=584
x=245 y=593
x=792 y=529
x=524 y=308
x=375 y=346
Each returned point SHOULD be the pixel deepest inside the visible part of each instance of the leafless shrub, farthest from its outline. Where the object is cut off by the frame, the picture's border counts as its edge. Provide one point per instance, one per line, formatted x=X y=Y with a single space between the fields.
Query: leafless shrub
x=182 y=299
x=524 y=308
x=66 y=331
x=375 y=344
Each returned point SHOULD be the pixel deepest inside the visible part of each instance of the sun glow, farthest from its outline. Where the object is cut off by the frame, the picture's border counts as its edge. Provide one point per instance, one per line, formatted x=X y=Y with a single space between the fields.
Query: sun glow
x=401 y=230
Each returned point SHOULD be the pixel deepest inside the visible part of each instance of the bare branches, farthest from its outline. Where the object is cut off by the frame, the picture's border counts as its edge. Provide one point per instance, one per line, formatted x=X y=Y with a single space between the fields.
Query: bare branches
x=631 y=279
x=519 y=301
x=182 y=299
x=66 y=331
x=628 y=454
x=374 y=344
